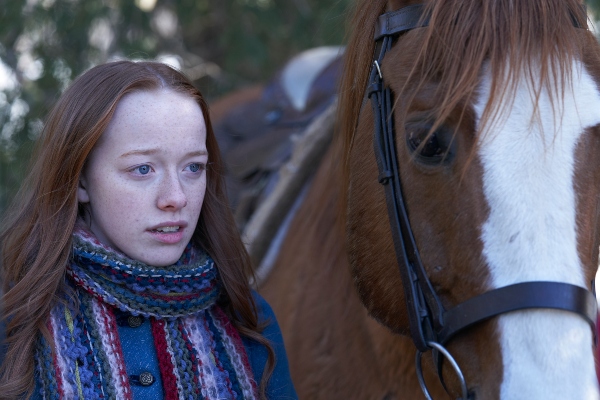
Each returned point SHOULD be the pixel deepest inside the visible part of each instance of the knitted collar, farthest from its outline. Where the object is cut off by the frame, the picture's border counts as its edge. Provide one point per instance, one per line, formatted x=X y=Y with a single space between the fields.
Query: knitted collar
x=188 y=286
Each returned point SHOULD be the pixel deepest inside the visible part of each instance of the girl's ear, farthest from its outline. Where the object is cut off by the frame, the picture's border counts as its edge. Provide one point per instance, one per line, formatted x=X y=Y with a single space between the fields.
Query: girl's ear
x=82 y=194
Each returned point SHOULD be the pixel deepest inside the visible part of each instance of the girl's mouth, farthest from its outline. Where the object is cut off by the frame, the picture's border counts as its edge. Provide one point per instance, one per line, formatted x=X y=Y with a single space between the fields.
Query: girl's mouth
x=167 y=229
x=168 y=234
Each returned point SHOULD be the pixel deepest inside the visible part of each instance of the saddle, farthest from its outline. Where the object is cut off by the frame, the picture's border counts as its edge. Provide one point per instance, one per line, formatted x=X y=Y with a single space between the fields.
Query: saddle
x=257 y=136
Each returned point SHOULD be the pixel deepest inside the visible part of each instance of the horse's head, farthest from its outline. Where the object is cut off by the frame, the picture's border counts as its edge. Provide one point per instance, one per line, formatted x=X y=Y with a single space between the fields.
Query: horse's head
x=496 y=113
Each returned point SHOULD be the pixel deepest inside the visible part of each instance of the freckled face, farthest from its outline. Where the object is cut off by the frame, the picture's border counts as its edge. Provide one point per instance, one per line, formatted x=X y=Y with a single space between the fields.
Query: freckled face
x=144 y=181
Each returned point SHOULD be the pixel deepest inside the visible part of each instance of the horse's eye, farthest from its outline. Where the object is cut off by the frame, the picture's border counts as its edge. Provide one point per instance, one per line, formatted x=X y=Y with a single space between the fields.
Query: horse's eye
x=431 y=148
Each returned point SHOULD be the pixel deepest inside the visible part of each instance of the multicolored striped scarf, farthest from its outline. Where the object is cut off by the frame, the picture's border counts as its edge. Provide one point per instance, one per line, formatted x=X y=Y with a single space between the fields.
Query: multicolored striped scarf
x=200 y=353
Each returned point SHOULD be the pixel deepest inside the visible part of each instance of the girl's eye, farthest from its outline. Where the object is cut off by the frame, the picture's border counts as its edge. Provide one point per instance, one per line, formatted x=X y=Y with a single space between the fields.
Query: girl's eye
x=143 y=169
x=195 y=167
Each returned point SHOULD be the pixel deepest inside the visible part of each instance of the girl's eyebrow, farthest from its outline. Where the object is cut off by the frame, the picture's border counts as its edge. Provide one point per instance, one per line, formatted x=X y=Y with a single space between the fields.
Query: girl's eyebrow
x=147 y=152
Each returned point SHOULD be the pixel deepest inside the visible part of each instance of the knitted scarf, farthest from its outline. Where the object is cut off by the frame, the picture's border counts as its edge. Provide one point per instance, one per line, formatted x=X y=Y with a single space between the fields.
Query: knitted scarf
x=200 y=353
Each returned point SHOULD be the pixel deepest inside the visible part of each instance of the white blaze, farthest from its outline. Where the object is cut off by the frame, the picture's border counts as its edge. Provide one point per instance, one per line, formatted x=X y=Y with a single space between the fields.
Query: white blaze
x=531 y=235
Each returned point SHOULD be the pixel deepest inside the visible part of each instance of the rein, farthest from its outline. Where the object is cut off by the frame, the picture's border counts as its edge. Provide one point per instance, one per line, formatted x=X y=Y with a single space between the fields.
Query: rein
x=431 y=325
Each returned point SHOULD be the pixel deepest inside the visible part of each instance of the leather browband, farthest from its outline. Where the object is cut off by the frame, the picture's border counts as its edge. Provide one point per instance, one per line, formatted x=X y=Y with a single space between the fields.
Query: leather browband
x=404 y=19
x=411 y=17
x=520 y=296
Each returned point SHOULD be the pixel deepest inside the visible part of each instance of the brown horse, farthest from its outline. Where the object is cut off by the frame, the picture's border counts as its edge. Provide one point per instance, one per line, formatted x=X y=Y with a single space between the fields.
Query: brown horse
x=496 y=111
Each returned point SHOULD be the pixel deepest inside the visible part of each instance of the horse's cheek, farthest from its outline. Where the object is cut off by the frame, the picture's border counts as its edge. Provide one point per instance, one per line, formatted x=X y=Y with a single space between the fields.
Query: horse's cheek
x=370 y=246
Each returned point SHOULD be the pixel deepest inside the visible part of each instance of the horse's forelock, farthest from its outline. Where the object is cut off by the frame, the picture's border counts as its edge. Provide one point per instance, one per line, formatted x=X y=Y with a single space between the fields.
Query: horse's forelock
x=535 y=39
x=531 y=39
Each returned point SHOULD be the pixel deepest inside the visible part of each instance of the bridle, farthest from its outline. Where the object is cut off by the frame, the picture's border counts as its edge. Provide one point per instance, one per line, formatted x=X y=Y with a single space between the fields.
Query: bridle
x=431 y=325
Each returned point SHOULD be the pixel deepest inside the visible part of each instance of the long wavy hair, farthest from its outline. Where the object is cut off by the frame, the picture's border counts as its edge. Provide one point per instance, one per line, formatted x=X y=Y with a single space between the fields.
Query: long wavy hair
x=36 y=235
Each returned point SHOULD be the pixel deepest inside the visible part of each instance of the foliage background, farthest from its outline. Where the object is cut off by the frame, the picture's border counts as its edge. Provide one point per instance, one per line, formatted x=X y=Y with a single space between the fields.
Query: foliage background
x=221 y=44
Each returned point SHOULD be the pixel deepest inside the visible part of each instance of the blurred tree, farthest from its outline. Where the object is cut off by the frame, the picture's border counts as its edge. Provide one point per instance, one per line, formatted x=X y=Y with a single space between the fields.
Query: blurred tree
x=593 y=7
x=220 y=44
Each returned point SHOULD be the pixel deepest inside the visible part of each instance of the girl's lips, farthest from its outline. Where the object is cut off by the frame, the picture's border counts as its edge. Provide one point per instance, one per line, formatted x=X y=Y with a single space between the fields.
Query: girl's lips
x=169 y=225
x=167 y=237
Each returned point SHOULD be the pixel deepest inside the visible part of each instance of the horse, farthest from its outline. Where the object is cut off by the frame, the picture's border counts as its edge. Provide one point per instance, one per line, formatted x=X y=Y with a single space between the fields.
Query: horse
x=456 y=212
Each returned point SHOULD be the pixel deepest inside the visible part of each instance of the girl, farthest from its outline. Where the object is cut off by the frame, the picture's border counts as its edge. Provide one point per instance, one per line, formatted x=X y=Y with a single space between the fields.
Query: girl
x=123 y=272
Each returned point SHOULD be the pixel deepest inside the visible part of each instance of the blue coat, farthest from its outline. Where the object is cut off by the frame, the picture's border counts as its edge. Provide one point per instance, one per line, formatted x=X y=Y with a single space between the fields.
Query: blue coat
x=140 y=357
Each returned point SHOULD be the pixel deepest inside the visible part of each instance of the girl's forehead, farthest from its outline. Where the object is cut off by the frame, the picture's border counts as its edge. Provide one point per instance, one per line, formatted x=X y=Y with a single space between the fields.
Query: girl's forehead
x=154 y=119
x=158 y=103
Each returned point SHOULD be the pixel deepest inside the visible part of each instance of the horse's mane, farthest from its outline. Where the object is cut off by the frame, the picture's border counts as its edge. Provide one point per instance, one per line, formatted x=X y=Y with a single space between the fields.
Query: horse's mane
x=531 y=39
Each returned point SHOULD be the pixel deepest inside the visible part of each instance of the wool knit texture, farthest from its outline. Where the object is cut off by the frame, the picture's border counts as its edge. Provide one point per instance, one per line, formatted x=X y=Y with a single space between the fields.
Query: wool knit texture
x=200 y=353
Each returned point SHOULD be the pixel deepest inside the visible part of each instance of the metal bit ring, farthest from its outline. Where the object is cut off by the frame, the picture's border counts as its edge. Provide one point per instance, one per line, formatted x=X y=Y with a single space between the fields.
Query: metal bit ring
x=453 y=363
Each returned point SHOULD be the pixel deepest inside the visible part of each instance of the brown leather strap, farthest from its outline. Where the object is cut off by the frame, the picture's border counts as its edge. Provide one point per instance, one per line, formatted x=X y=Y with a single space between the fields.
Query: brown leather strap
x=404 y=19
x=520 y=296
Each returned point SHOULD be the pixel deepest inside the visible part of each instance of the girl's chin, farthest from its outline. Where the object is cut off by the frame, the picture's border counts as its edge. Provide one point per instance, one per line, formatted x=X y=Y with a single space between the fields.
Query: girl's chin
x=159 y=260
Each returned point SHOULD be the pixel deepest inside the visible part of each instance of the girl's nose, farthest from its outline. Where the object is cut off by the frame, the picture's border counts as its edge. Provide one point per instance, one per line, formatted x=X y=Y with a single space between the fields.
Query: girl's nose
x=171 y=194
